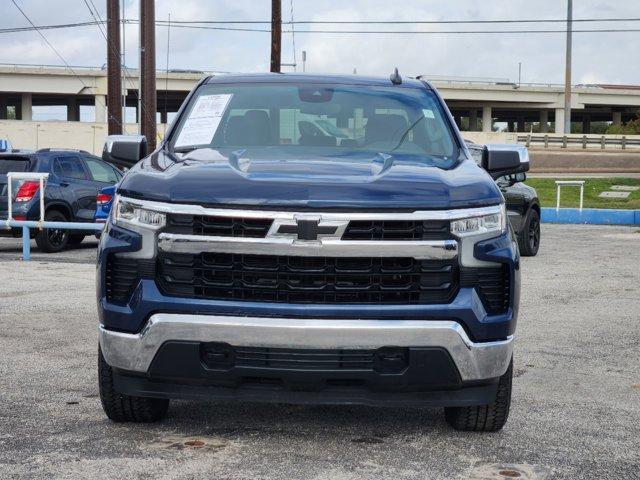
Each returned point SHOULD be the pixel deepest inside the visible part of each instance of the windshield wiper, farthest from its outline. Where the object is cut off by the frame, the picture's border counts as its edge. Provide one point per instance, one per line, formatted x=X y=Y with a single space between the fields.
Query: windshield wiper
x=185 y=149
x=406 y=133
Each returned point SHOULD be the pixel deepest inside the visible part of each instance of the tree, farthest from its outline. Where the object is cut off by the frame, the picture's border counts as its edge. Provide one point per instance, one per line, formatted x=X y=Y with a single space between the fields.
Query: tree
x=632 y=127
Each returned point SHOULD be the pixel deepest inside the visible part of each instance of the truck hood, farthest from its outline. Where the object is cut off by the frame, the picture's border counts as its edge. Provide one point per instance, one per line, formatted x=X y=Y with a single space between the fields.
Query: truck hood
x=263 y=179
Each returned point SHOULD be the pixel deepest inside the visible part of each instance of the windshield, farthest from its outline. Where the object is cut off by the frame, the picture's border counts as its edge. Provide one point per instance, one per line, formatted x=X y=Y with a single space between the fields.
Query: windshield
x=333 y=118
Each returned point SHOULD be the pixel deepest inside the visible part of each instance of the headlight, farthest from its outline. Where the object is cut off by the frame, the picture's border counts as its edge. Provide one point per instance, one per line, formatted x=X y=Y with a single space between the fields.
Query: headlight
x=130 y=214
x=476 y=225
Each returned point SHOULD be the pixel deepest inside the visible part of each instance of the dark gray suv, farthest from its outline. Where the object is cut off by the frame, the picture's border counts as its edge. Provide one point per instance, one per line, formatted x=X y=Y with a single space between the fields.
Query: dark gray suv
x=75 y=178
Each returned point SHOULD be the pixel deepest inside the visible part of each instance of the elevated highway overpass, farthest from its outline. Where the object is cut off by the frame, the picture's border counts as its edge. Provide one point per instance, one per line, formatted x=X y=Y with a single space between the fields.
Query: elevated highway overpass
x=476 y=104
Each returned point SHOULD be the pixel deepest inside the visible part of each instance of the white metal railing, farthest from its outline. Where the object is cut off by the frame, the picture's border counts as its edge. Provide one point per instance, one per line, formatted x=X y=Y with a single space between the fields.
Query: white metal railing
x=41 y=177
x=569 y=183
x=550 y=140
x=26 y=225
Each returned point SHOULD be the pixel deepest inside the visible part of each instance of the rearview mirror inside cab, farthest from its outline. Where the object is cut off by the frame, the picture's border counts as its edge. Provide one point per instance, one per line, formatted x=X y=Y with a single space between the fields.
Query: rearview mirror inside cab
x=124 y=150
x=501 y=160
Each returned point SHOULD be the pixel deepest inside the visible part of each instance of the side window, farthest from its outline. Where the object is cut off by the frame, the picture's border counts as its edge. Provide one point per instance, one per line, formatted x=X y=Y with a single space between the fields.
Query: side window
x=69 y=167
x=101 y=172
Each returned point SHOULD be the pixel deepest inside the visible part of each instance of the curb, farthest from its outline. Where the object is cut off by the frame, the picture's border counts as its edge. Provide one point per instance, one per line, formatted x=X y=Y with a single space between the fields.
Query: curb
x=592 y=216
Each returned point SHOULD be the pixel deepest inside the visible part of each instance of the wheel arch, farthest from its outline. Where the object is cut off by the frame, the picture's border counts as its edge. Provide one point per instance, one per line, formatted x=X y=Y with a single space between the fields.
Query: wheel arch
x=536 y=206
x=60 y=207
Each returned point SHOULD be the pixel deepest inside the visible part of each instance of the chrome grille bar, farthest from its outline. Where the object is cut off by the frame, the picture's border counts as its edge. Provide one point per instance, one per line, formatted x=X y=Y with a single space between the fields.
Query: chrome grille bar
x=325 y=247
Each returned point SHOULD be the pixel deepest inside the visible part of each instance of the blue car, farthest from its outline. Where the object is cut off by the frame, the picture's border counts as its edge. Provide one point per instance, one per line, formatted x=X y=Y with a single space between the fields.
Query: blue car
x=5 y=145
x=254 y=256
x=104 y=202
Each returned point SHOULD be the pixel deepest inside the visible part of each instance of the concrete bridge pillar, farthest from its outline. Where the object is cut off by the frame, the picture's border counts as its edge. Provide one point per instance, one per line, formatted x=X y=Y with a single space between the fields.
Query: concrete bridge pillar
x=3 y=108
x=473 y=120
x=26 y=107
x=487 y=118
x=100 y=104
x=560 y=121
x=544 y=121
x=73 y=110
x=586 y=123
x=521 y=126
x=617 y=118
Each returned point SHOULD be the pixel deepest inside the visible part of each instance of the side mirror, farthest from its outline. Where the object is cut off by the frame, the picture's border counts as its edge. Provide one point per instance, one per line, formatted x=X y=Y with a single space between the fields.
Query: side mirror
x=124 y=150
x=512 y=179
x=501 y=160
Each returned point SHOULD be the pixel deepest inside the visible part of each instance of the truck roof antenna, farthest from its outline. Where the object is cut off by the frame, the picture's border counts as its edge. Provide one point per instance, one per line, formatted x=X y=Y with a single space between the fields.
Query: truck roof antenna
x=395 y=77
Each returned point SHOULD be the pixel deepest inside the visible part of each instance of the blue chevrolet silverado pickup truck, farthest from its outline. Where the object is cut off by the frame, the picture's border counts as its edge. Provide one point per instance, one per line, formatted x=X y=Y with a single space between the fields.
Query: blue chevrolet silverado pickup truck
x=309 y=239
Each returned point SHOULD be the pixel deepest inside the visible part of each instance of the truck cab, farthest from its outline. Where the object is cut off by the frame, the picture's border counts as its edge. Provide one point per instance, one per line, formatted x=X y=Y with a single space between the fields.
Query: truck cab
x=309 y=239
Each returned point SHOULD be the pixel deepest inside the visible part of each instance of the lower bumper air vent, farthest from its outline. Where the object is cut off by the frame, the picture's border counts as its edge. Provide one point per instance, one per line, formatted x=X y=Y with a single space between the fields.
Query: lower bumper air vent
x=493 y=285
x=123 y=274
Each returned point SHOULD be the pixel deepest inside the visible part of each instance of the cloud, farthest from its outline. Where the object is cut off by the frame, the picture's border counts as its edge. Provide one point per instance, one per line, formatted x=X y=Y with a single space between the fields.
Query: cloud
x=601 y=56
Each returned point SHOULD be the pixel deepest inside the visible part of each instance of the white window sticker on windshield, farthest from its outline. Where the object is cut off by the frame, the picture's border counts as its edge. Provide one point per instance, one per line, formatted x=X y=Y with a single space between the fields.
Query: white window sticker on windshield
x=203 y=120
x=428 y=113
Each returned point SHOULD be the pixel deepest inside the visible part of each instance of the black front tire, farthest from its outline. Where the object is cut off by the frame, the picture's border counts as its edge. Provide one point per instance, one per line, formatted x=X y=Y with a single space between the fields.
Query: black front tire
x=53 y=240
x=484 y=418
x=529 y=238
x=126 y=408
x=76 y=239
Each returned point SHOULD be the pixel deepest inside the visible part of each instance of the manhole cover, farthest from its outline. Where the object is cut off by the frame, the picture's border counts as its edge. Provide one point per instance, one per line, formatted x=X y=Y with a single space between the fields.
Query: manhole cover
x=177 y=442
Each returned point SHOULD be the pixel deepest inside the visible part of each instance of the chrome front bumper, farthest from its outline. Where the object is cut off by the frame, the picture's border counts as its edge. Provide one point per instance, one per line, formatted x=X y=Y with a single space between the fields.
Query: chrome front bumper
x=475 y=361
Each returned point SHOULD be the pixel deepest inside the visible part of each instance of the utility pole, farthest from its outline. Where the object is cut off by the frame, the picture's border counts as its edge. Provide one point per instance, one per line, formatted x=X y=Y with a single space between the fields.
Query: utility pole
x=276 y=35
x=114 y=79
x=124 y=68
x=148 y=125
x=304 y=60
x=567 y=71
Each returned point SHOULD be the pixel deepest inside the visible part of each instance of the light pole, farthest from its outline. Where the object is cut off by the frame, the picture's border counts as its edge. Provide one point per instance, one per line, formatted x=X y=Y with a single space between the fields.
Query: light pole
x=304 y=60
x=567 y=72
x=519 y=74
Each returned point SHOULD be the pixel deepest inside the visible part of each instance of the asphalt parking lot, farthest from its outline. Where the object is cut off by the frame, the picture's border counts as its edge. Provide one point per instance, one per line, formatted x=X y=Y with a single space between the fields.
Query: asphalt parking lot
x=575 y=411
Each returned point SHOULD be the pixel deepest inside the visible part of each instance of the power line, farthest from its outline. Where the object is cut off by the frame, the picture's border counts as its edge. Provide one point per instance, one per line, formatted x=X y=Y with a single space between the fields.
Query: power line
x=45 y=27
x=110 y=46
x=406 y=22
x=415 y=32
x=435 y=32
x=203 y=23
x=337 y=32
x=96 y=17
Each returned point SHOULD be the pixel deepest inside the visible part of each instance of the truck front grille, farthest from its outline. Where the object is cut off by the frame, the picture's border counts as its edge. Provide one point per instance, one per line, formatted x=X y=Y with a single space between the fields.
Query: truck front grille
x=221 y=226
x=291 y=279
x=397 y=230
x=218 y=226
x=224 y=356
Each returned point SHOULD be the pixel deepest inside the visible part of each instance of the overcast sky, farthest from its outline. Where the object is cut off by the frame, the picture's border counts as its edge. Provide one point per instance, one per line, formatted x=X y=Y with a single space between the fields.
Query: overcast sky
x=598 y=57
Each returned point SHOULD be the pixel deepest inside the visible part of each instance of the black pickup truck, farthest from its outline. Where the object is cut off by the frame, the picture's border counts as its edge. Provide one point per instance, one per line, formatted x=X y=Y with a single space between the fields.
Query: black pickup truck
x=523 y=205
